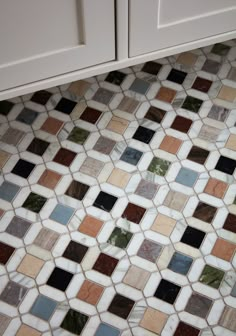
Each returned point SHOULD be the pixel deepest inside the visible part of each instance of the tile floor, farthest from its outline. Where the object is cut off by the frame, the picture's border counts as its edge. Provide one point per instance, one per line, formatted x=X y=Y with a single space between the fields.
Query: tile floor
x=118 y=202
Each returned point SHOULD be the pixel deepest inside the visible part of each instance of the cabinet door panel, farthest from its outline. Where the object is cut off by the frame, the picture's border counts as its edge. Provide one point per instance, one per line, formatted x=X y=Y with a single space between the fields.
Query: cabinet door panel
x=159 y=24
x=42 y=39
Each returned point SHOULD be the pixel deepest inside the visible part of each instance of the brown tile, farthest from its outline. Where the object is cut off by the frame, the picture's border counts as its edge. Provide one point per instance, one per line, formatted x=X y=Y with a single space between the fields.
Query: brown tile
x=128 y=105
x=46 y=239
x=198 y=305
x=170 y=144
x=230 y=223
x=117 y=125
x=90 y=226
x=52 y=125
x=133 y=213
x=90 y=115
x=4 y=322
x=181 y=124
x=228 y=319
x=216 y=187
x=198 y=155
x=205 y=212
x=30 y=266
x=155 y=114
x=119 y=178
x=150 y=319
x=79 y=88
x=12 y=136
x=227 y=93
x=202 y=84
x=6 y=252
x=231 y=143
x=187 y=58
x=49 y=179
x=175 y=200
x=27 y=331
x=223 y=249
x=163 y=224
x=91 y=167
x=77 y=190
x=104 y=145
x=166 y=94
x=1 y=212
x=184 y=329
x=4 y=156
x=105 y=264
x=90 y=292
x=65 y=157
x=136 y=277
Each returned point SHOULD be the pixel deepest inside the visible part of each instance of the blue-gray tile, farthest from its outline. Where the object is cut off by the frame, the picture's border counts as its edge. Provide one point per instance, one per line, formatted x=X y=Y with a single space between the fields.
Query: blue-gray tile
x=62 y=214
x=8 y=191
x=43 y=307
x=139 y=86
x=27 y=116
x=180 y=263
x=187 y=177
x=106 y=330
x=131 y=156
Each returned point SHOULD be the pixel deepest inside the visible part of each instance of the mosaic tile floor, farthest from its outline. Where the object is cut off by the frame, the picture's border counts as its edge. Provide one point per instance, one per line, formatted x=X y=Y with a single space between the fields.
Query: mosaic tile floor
x=118 y=202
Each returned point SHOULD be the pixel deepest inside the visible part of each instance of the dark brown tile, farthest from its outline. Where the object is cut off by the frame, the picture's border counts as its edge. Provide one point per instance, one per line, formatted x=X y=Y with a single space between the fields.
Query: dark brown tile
x=181 y=124
x=184 y=329
x=104 y=145
x=198 y=155
x=155 y=114
x=6 y=252
x=105 y=264
x=205 y=212
x=133 y=213
x=75 y=251
x=121 y=306
x=152 y=68
x=166 y=94
x=202 y=84
x=90 y=115
x=64 y=156
x=230 y=223
x=198 y=305
x=77 y=190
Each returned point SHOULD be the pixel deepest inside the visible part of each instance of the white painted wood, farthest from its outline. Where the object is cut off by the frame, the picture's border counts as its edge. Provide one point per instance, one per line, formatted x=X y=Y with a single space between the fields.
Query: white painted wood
x=122 y=29
x=42 y=39
x=159 y=24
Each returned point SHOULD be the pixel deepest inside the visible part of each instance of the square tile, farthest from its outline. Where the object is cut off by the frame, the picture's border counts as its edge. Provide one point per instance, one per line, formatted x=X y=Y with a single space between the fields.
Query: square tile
x=193 y=237
x=228 y=319
x=149 y=250
x=52 y=125
x=91 y=167
x=170 y=144
x=30 y=266
x=90 y=115
x=18 y=227
x=65 y=105
x=38 y=146
x=105 y=201
x=104 y=145
x=216 y=187
x=6 y=251
x=75 y=251
x=5 y=107
x=220 y=49
x=115 y=77
x=177 y=76
x=167 y=291
x=90 y=226
x=105 y=264
x=136 y=277
x=212 y=67
x=119 y=178
x=43 y=307
x=62 y=214
x=27 y=116
x=8 y=191
x=232 y=74
x=90 y=292
x=166 y=94
x=198 y=305
x=79 y=88
x=187 y=58
x=187 y=177
x=230 y=223
x=202 y=84
x=226 y=165
x=65 y=157
x=205 y=212
x=143 y=134
x=146 y=189
x=74 y=322
x=46 y=239
x=128 y=105
x=117 y=125
x=25 y=330
x=155 y=114
x=198 y=155
x=209 y=133
x=121 y=306
x=231 y=142
x=106 y=330
x=139 y=86
x=41 y=97
x=159 y=166
x=133 y=213
x=153 y=320
x=192 y=104
x=227 y=93
x=4 y=156
x=49 y=179
x=163 y=224
x=13 y=293
x=175 y=200
x=152 y=68
x=34 y=202
x=181 y=124
x=12 y=136
x=77 y=190
x=219 y=113
x=223 y=249
x=23 y=168
x=59 y=279
x=211 y=276
x=103 y=96
x=78 y=135
x=131 y=156
x=4 y=322
x=184 y=329
x=120 y=238
x=180 y=263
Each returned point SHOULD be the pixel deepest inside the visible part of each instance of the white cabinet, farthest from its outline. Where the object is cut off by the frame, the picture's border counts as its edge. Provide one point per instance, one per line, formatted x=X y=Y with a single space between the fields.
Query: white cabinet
x=159 y=24
x=42 y=39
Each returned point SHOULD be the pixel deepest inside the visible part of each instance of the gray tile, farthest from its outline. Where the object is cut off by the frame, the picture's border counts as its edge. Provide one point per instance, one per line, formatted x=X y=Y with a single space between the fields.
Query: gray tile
x=8 y=191
x=12 y=136
x=4 y=321
x=43 y=307
x=46 y=239
x=198 y=305
x=232 y=74
x=13 y=293
x=218 y=113
x=103 y=96
x=18 y=227
x=146 y=189
x=149 y=250
x=106 y=330
x=139 y=86
x=211 y=66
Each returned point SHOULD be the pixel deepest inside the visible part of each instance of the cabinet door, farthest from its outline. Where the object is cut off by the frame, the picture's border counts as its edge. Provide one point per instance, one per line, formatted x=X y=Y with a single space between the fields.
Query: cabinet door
x=159 y=24
x=41 y=39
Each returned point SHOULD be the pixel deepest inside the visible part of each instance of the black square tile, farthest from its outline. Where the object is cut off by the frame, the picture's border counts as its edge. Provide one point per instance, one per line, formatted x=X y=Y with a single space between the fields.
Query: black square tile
x=74 y=322
x=65 y=105
x=105 y=201
x=155 y=114
x=198 y=155
x=77 y=190
x=115 y=77
x=5 y=107
x=152 y=68
x=59 y=279
x=167 y=291
x=27 y=116
x=121 y=306
x=34 y=202
x=193 y=237
x=177 y=76
x=41 y=97
x=75 y=251
x=143 y=134
x=23 y=168
x=131 y=156
x=226 y=165
x=192 y=104
x=205 y=212
x=38 y=146
x=105 y=264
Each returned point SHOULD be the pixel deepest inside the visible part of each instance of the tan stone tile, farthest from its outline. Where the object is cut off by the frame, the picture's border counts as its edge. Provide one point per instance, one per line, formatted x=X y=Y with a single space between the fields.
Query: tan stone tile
x=119 y=178
x=166 y=94
x=175 y=200
x=128 y=105
x=30 y=266
x=117 y=125
x=4 y=156
x=163 y=224
x=27 y=331
x=228 y=319
x=231 y=143
x=187 y=58
x=216 y=188
x=79 y=88
x=227 y=93
x=153 y=320
x=170 y=144
x=52 y=125
x=46 y=239
x=223 y=249
x=4 y=322
x=90 y=226
x=49 y=179
x=91 y=167
x=90 y=292
x=136 y=277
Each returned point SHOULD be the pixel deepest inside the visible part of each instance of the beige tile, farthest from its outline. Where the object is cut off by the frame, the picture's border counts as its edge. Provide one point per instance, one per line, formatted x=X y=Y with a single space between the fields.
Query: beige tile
x=175 y=200
x=46 y=239
x=170 y=144
x=119 y=178
x=117 y=125
x=27 y=331
x=153 y=320
x=231 y=143
x=136 y=277
x=4 y=156
x=30 y=266
x=227 y=93
x=163 y=224
x=91 y=167
x=228 y=319
x=187 y=58
x=79 y=88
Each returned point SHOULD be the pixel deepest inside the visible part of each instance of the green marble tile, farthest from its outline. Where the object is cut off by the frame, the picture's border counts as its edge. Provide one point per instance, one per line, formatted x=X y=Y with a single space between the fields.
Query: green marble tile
x=234 y=202
x=78 y=135
x=220 y=49
x=74 y=322
x=159 y=166
x=211 y=276
x=192 y=104
x=34 y=202
x=120 y=238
